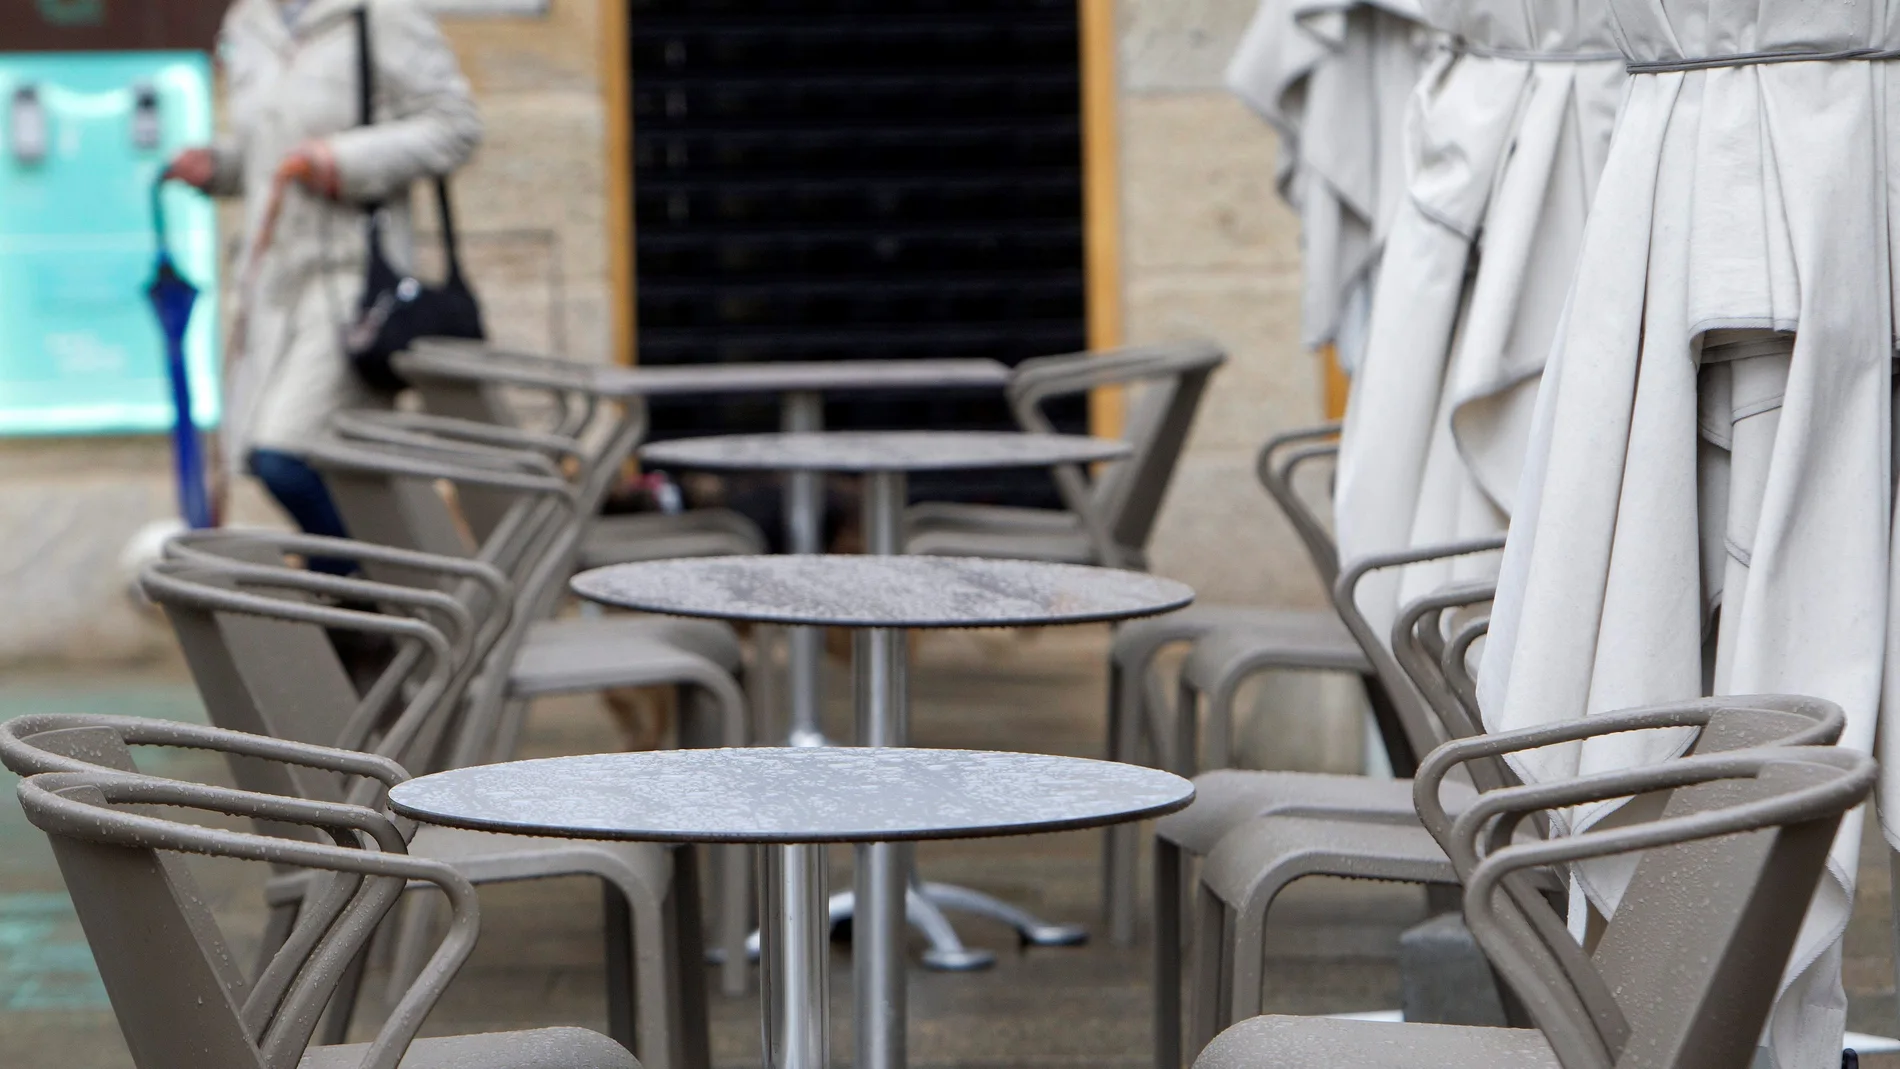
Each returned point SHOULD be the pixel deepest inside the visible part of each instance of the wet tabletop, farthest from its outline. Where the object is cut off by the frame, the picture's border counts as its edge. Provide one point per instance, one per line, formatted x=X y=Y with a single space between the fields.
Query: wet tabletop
x=867 y=451
x=810 y=376
x=792 y=795
x=869 y=591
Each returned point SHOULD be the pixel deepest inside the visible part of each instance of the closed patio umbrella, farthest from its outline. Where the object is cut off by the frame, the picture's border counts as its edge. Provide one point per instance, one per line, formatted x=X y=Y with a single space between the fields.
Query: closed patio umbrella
x=1333 y=77
x=1506 y=135
x=1706 y=506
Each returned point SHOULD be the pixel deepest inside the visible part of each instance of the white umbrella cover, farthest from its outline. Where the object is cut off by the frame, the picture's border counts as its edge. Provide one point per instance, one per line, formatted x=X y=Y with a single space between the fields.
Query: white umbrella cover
x=1706 y=507
x=1507 y=133
x=1332 y=77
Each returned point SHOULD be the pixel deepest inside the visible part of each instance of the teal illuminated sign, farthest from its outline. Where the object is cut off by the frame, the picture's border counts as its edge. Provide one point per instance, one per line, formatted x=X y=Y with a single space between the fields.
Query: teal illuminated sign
x=82 y=136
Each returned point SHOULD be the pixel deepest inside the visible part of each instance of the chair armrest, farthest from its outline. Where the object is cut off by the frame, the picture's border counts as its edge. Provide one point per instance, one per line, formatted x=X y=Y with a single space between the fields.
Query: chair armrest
x=63 y=804
x=336 y=454
x=453 y=429
x=26 y=759
x=202 y=546
x=1827 y=725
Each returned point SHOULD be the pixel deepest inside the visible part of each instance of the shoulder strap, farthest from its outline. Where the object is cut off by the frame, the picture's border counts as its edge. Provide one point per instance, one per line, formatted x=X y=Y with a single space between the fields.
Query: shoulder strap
x=365 y=70
x=449 y=252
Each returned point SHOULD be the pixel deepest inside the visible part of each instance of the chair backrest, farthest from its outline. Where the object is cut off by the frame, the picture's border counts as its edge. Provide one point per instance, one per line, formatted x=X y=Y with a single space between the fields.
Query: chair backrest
x=1408 y=724
x=1277 y=467
x=264 y=664
x=1688 y=966
x=592 y=462
x=1418 y=649
x=1454 y=664
x=535 y=547
x=1723 y=725
x=462 y=378
x=1171 y=380
x=387 y=495
x=179 y=998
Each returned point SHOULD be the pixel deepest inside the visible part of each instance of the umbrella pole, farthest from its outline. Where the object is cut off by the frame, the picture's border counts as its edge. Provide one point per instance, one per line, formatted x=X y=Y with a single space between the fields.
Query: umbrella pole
x=194 y=504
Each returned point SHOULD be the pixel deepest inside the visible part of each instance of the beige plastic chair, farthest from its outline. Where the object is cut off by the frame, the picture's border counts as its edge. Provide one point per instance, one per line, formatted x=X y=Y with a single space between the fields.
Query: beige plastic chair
x=468 y=381
x=1107 y=521
x=1683 y=975
x=387 y=495
x=244 y=644
x=1249 y=867
x=261 y=652
x=1227 y=799
x=180 y=999
x=1269 y=637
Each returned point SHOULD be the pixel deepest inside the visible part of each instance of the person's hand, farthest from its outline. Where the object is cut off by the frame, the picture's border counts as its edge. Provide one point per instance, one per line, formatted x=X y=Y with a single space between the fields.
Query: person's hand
x=194 y=166
x=312 y=165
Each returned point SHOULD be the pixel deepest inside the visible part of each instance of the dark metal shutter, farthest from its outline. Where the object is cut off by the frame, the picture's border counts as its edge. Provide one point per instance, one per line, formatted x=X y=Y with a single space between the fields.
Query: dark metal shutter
x=857 y=179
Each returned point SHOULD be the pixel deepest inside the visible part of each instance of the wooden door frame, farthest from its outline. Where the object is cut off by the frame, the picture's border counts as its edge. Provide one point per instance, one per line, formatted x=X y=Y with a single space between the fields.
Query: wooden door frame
x=1101 y=199
x=616 y=87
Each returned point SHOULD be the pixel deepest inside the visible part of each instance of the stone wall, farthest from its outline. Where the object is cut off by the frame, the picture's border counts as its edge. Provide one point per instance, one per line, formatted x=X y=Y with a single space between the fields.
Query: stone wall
x=532 y=211
x=1209 y=251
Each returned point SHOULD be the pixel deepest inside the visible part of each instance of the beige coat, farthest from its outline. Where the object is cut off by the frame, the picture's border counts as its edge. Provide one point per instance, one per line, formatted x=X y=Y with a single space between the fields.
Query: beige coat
x=285 y=84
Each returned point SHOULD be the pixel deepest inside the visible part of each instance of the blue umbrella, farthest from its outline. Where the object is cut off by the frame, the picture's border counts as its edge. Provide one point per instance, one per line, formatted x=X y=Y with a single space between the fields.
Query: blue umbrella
x=172 y=298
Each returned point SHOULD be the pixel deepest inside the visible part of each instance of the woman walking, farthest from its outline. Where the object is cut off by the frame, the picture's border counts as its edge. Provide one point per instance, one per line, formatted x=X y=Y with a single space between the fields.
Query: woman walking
x=308 y=169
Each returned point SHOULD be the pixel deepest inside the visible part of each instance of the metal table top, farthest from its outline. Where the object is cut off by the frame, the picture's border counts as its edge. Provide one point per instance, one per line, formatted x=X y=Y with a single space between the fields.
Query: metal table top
x=869 y=451
x=792 y=795
x=878 y=591
x=615 y=380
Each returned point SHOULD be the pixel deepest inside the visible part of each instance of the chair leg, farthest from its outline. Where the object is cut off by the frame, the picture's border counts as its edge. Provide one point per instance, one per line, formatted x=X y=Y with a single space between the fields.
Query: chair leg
x=277 y=928
x=761 y=684
x=1206 y=992
x=1121 y=843
x=415 y=927
x=1220 y=725
x=1167 y=959
x=1242 y=977
x=617 y=933
x=653 y=1029
x=335 y=1028
x=1893 y=869
x=734 y=861
x=1187 y=729
x=685 y=948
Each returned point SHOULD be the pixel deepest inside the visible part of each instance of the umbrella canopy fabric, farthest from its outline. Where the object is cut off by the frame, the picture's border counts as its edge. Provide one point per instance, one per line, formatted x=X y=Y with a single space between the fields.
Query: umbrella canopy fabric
x=1706 y=506
x=1333 y=78
x=1507 y=134
x=172 y=298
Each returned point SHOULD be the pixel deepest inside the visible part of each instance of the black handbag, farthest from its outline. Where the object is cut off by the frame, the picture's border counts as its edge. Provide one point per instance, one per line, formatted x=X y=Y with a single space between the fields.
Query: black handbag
x=396 y=309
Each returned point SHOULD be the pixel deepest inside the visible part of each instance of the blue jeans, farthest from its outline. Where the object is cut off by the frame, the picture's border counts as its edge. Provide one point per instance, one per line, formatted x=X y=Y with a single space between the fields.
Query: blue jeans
x=300 y=490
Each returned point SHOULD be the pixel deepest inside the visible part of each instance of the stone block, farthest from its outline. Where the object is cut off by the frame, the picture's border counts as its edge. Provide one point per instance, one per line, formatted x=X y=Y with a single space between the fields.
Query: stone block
x=1176 y=45
x=1220 y=533
x=1197 y=187
x=557 y=47
x=1269 y=382
x=1444 y=978
x=1301 y=721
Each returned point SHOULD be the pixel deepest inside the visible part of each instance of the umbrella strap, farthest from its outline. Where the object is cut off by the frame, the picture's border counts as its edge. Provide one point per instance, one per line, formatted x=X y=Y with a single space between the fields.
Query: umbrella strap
x=1461 y=47
x=247 y=279
x=1753 y=59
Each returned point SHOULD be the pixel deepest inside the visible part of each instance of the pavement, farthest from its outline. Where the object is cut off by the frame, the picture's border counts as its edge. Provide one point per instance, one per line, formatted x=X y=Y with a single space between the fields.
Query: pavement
x=1332 y=947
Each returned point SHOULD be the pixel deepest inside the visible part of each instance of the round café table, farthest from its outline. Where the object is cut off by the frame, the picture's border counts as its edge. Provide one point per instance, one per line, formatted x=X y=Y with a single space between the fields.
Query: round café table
x=885 y=459
x=883 y=596
x=792 y=801
x=800 y=385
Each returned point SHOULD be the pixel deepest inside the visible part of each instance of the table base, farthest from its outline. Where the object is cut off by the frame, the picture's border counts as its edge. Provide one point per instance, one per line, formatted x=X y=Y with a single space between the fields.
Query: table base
x=923 y=909
x=795 y=983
